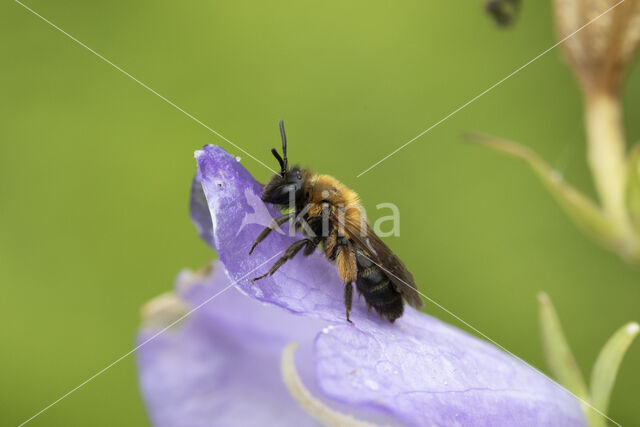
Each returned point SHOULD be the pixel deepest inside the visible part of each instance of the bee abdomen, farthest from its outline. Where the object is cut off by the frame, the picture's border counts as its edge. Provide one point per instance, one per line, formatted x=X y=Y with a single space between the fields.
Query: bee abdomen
x=380 y=287
x=378 y=291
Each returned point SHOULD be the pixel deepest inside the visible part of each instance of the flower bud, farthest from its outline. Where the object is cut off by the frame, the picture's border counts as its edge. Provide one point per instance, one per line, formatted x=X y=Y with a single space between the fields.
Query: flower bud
x=601 y=38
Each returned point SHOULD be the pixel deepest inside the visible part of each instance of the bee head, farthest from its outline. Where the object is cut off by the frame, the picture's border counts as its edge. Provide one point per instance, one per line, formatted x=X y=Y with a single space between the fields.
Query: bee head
x=286 y=186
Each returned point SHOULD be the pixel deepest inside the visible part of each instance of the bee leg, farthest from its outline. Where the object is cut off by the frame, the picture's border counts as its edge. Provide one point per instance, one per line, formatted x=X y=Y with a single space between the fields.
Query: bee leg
x=348 y=299
x=311 y=246
x=289 y=253
x=314 y=240
x=275 y=224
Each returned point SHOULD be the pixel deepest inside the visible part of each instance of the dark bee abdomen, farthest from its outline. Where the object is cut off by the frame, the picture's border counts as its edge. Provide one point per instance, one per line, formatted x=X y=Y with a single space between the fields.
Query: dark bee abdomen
x=377 y=290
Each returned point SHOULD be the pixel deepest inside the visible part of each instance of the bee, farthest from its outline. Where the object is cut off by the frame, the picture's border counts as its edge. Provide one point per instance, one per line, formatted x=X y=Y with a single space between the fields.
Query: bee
x=329 y=214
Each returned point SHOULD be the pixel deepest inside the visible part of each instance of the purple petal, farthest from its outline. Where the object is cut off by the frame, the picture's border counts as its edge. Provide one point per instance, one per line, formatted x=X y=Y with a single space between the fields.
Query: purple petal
x=219 y=366
x=425 y=371
x=199 y=211
x=419 y=370
x=310 y=287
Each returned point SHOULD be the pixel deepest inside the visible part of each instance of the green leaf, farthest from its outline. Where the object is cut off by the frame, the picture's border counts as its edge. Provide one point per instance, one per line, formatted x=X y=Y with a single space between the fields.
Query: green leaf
x=582 y=210
x=633 y=187
x=606 y=366
x=556 y=350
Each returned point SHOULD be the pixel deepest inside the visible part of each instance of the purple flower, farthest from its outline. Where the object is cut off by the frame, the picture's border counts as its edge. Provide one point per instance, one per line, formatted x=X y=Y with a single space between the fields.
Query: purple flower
x=221 y=364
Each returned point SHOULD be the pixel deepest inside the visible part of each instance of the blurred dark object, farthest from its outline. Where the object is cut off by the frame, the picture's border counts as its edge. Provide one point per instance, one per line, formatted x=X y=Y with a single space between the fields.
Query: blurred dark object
x=504 y=12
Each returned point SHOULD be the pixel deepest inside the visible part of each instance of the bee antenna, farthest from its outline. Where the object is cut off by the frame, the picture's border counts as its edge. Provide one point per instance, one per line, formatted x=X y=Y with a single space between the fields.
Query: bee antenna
x=279 y=159
x=284 y=147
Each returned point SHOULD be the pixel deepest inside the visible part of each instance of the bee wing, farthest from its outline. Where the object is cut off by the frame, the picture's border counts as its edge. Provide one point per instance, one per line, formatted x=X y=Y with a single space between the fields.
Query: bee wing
x=389 y=263
x=394 y=269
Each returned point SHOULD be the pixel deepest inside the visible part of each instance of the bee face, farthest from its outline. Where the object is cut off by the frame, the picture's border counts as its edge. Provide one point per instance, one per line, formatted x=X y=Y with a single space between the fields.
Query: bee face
x=283 y=189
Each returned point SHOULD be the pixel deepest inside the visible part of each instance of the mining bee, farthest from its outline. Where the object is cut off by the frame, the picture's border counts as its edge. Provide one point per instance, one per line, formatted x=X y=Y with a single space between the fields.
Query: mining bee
x=329 y=213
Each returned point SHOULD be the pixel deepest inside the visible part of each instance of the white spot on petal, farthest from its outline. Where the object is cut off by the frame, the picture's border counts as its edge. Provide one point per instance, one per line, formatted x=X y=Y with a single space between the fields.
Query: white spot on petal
x=371 y=384
x=327 y=329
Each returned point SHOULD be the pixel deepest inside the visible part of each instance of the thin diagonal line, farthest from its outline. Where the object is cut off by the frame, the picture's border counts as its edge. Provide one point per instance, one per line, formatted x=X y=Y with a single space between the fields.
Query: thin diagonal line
x=168 y=101
x=263 y=164
x=481 y=94
x=494 y=342
x=124 y=356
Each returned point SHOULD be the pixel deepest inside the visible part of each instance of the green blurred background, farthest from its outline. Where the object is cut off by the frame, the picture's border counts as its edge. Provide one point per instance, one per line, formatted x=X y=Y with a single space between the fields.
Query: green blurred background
x=95 y=171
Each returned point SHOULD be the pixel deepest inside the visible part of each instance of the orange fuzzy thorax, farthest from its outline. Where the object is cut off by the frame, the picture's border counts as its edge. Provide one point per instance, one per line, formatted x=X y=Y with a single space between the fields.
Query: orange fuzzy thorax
x=325 y=188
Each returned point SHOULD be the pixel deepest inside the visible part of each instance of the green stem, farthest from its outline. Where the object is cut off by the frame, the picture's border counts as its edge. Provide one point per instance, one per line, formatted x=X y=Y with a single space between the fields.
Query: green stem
x=608 y=163
x=606 y=153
